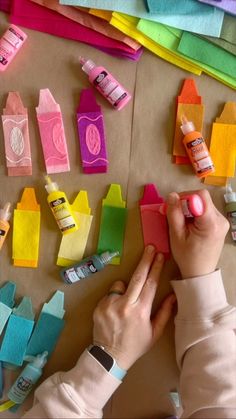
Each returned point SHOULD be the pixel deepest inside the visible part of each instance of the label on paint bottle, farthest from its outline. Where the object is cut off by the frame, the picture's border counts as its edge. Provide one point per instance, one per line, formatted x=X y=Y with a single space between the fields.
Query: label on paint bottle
x=62 y=215
x=200 y=156
x=110 y=88
x=232 y=221
x=74 y=274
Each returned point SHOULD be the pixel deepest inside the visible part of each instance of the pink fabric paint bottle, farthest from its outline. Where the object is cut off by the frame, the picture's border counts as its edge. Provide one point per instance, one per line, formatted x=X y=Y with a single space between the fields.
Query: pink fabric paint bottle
x=192 y=206
x=105 y=83
x=10 y=43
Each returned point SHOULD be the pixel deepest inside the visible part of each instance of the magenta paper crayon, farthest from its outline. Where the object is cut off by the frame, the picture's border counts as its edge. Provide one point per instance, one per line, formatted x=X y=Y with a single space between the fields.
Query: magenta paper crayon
x=16 y=137
x=91 y=134
x=52 y=133
x=10 y=43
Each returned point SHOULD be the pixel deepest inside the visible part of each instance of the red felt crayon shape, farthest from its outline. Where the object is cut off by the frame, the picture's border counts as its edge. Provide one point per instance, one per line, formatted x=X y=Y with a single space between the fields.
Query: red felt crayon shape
x=192 y=206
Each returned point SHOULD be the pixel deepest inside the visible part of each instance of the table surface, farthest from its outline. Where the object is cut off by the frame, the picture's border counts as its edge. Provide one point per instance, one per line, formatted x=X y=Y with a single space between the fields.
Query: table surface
x=139 y=141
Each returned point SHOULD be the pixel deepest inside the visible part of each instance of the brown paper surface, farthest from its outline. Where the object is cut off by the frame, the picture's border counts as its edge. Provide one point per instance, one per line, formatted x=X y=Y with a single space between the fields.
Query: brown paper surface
x=139 y=140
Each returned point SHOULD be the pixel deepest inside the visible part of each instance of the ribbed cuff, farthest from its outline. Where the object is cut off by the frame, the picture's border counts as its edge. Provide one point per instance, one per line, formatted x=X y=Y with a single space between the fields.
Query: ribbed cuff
x=201 y=296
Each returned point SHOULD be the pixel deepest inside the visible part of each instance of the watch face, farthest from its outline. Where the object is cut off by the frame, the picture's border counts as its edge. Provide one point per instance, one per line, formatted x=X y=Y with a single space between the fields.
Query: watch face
x=103 y=357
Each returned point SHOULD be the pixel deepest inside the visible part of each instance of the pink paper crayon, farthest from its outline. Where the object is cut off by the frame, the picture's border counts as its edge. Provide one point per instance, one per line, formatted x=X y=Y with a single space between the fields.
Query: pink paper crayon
x=91 y=134
x=154 y=224
x=52 y=133
x=16 y=137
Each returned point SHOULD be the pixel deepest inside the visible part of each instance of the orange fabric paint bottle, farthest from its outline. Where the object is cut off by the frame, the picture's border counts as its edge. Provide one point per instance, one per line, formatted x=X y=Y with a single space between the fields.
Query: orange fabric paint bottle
x=4 y=224
x=196 y=149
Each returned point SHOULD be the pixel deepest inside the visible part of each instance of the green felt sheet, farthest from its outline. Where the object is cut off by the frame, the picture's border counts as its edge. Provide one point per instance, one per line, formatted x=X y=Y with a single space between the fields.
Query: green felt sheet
x=201 y=50
x=112 y=230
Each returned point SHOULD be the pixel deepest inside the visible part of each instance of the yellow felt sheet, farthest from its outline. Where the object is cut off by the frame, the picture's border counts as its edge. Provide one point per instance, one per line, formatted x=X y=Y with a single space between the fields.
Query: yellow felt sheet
x=194 y=113
x=223 y=149
x=103 y=14
x=127 y=24
x=73 y=245
x=26 y=231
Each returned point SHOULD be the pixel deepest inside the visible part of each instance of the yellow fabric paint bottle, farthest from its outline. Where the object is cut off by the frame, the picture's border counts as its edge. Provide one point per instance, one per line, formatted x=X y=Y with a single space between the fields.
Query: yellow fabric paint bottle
x=60 y=208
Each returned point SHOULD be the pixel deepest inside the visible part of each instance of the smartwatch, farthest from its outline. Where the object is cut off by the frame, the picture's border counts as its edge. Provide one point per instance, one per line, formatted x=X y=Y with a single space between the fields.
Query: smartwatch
x=106 y=360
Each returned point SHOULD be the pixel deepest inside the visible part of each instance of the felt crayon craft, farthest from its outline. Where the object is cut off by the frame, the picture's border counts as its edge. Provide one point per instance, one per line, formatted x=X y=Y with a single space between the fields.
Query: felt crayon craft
x=223 y=146
x=73 y=245
x=91 y=132
x=16 y=137
x=18 y=332
x=52 y=133
x=113 y=222
x=189 y=104
x=7 y=294
x=154 y=224
x=48 y=327
x=26 y=230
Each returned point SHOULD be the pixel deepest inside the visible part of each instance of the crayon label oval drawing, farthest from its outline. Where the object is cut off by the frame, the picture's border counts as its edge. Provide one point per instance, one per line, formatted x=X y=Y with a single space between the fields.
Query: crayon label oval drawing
x=93 y=139
x=17 y=141
x=59 y=138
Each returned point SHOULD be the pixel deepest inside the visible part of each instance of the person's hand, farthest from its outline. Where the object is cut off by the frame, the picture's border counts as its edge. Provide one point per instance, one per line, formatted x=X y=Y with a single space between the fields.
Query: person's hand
x=196 y=246
x=122 y=319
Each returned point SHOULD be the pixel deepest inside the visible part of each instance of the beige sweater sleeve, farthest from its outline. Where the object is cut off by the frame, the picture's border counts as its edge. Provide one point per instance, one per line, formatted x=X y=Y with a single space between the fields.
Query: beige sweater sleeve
x=206 y=348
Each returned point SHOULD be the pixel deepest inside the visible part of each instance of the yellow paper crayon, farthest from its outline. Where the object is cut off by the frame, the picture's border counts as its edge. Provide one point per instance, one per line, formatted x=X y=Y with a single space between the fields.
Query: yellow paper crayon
x=26 y=230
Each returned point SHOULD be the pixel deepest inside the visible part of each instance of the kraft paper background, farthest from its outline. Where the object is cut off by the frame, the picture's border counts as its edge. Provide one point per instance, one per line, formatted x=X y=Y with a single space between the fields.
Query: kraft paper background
x=139 y=143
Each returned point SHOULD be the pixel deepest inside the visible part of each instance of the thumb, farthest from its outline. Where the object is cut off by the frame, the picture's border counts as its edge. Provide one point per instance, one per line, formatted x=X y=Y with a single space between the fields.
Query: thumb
x=175 y=215
x=162 y=316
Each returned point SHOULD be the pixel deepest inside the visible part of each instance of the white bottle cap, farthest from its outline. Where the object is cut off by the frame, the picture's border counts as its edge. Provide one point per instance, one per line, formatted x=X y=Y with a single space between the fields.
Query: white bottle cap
x=229 y=196
x=87 y=65
x=187 y=126
x=40 y=360
x=5 y=214
x=50 y=186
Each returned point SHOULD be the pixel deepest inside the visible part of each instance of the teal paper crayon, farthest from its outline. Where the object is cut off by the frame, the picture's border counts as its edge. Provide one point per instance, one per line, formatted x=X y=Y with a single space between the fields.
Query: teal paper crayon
x=48 y=327
x=19 y=329
x=7 y=293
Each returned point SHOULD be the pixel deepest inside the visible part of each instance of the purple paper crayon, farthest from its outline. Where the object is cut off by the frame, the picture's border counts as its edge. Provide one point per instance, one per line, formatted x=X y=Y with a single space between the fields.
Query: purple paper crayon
x=91 y=134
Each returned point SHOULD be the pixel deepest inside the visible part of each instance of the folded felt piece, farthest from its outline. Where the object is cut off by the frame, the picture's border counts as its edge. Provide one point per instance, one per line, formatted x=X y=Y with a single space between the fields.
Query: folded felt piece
x=223 y=146
x=48 y=327
x=180 y=7
x=154 y=224
x=7 y=294
x=73 y=245
x=208 y=22
x=89 y=21
x=52 y=133
x=26 y=230
x=16 y=137
x=112 y=224
x=5 y=5
x=34 y=16
x=229 y=6
x=18 y=332
x=205 y=52
x=127 y=24
x=189 y=104
x=170 y=38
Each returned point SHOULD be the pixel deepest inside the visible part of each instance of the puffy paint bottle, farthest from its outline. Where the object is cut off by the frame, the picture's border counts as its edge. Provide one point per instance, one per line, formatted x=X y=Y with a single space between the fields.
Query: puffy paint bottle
x=106 y=84
x=87 y=267
x=196 y=149
x=60 y=208
x=230 y=208
x=10 y=43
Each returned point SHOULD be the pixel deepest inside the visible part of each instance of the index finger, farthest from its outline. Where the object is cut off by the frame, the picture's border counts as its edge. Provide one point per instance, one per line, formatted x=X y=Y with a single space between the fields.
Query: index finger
x=140 y=274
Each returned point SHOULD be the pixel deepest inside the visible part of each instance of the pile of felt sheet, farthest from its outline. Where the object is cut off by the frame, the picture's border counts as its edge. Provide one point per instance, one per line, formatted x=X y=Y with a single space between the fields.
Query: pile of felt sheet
x=198 y=36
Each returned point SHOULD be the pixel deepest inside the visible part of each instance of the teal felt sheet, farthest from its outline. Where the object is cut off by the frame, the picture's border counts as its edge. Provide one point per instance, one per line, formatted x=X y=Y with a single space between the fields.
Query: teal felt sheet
x=180 y=7
x=208 y=22
x=15 y=340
